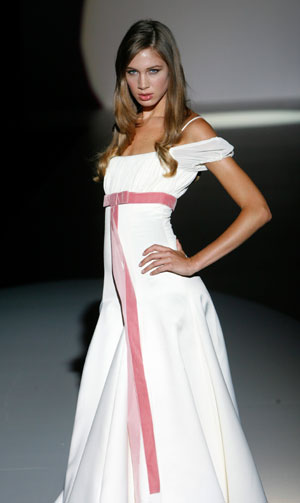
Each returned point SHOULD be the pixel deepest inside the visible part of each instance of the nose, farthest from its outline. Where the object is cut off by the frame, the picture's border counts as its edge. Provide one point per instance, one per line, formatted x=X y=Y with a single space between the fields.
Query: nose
x=143 y=81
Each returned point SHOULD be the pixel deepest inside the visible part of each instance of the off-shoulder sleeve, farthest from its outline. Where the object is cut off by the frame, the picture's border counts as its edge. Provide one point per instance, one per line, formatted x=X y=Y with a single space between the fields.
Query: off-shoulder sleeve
x=194 y=156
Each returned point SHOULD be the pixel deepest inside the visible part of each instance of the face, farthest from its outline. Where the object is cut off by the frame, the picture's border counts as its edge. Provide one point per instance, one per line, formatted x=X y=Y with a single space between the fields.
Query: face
x=147 y=76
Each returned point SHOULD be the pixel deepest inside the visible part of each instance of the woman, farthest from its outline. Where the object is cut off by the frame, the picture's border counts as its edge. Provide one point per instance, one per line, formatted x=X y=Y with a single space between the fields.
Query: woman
x=156 y=418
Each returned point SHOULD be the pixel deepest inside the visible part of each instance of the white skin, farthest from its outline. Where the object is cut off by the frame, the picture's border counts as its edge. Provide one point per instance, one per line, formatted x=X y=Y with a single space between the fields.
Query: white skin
x=148 y=73
x=142 y=78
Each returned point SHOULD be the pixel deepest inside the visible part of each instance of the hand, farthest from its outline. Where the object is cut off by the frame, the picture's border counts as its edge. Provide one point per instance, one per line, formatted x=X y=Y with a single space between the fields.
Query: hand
x=167 y=259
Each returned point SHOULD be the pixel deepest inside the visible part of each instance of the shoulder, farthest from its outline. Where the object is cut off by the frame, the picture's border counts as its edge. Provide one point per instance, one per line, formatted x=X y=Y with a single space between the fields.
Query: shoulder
x=197 y=130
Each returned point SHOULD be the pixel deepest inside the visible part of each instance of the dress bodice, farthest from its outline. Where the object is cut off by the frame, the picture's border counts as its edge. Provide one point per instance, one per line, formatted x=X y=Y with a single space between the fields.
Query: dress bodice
x=144 y=173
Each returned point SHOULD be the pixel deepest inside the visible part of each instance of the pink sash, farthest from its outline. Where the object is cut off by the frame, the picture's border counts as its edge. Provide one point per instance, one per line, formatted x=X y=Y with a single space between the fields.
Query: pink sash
x=139 y=411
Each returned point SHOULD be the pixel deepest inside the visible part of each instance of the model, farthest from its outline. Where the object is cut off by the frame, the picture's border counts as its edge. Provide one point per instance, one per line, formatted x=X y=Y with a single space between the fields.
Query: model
x=156 y=418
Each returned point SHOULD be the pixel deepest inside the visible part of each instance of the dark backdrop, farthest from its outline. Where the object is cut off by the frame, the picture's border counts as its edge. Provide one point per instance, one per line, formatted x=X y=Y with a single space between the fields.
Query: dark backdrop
x=52 y=210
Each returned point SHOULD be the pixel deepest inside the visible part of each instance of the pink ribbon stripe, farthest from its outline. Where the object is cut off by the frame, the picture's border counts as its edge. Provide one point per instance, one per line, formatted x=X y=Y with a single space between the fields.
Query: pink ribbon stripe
x=139 y=197
x=139 y=410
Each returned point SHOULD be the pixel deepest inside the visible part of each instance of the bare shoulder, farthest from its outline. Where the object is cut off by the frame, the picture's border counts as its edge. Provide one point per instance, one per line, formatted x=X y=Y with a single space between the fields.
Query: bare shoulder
x=198 y=130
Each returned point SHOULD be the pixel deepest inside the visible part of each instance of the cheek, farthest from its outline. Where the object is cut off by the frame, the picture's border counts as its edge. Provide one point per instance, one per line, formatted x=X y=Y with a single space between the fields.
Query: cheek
x=162 y=82
x=131 y=85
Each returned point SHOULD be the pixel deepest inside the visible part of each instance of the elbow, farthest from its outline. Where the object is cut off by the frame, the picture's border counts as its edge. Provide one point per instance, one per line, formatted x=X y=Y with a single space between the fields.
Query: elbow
x=259 y=215
x=263 y=215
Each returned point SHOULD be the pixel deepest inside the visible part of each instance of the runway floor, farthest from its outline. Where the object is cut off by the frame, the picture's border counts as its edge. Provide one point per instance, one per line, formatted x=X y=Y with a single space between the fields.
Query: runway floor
x=45 y=331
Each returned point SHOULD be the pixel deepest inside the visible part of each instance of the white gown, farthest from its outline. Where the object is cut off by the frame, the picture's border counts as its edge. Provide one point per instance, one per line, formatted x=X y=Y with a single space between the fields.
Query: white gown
x=198 y=451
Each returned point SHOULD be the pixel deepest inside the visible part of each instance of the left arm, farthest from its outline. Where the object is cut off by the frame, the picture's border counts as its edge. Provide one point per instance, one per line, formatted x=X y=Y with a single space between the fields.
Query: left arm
x=254 y=214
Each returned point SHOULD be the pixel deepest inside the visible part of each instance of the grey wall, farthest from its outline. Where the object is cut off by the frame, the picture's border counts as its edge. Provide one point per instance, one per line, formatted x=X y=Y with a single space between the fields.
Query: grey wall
x=233 y=51
x=52 y=218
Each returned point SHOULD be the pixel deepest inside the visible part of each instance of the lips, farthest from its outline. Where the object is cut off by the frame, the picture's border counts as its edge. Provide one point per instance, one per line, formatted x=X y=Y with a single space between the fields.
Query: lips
x=145 y=96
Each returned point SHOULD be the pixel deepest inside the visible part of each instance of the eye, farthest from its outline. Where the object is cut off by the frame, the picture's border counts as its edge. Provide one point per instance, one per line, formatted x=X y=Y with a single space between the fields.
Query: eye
x=152 y=70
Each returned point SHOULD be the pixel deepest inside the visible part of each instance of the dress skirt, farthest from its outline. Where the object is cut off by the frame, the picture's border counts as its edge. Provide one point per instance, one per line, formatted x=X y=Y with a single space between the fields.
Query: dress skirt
x=157 y=419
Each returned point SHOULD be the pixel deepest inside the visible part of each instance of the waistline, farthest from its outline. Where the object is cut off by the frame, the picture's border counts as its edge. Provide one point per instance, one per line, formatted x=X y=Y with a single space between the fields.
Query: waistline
x=139 y=197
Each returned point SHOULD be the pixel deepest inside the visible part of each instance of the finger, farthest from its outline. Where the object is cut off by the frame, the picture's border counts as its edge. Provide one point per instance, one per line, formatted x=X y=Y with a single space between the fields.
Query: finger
x=153 y=265
x=156 y=264
x=154 y=248
x=157 y=255
x=160 y=269
x=152 y=256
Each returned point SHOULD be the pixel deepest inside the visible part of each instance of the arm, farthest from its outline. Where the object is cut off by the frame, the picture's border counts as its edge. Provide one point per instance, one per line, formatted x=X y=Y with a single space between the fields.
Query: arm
x=254 y=214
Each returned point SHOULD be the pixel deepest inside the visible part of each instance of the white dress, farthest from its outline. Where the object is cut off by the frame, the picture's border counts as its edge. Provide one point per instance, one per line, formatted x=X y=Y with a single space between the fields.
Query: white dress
x=156 y=419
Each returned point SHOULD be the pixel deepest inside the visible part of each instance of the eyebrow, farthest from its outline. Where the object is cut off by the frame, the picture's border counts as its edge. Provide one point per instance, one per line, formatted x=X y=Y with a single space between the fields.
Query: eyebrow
x=149 y=67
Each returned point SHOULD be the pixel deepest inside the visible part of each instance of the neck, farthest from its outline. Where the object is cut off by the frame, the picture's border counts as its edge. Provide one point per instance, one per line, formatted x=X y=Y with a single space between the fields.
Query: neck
x=157 y=110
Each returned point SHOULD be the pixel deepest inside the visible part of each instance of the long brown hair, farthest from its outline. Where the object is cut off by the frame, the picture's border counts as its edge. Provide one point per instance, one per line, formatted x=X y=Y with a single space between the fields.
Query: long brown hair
x=141 y=35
